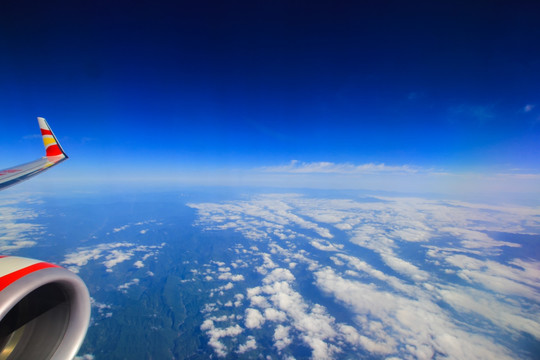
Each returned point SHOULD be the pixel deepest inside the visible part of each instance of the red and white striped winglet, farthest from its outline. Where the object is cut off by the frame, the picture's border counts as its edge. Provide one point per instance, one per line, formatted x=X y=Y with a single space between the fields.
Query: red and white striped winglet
x=13 y=268
x=52 y=147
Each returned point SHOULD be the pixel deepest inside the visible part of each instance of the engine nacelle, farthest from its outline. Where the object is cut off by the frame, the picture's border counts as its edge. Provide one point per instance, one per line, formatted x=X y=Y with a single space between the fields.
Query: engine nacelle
x=44 y=310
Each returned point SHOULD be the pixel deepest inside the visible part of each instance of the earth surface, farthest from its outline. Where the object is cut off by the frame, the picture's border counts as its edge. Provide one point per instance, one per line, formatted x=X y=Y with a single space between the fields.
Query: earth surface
x=236 y=273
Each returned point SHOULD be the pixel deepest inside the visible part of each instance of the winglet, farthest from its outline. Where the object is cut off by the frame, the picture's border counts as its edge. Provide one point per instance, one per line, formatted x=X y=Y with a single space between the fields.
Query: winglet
x=52 y=146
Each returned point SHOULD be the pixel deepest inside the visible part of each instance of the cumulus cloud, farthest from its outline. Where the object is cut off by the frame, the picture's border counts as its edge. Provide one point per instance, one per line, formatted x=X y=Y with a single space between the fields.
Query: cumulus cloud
x=253 y=319
x=316 y=327
x=238 y=300
x=272 y=314
x=250 y=344
x=279 y=274
x=216 y=334
x=281 y=337
x=229 y=276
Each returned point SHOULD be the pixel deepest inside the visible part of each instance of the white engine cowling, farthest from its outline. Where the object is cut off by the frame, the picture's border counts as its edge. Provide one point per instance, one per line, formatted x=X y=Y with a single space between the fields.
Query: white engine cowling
x=44 y=310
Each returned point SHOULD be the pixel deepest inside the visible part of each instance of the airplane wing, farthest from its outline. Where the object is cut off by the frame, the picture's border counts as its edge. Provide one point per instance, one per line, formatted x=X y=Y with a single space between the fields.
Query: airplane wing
x=54 y=154
x=44 y=308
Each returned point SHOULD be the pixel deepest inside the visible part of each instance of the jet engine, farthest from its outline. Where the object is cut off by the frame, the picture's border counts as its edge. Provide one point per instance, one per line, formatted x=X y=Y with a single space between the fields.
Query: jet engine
x=44 y=310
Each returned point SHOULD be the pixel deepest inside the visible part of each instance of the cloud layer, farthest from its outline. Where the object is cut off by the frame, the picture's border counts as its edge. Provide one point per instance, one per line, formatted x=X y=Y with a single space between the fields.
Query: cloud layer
x=420 y=278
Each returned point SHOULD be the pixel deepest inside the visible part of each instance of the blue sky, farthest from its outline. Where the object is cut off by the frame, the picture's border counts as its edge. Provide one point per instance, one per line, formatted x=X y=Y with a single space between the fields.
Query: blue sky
x=212 y=90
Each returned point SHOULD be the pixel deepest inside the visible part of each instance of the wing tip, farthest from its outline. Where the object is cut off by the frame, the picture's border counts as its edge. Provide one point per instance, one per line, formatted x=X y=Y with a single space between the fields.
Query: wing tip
x=51 y=143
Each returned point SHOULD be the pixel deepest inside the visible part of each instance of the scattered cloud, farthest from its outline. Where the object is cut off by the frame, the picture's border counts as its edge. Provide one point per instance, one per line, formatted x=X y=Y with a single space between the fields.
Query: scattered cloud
x=103 y=310
x=112 y=254
x=17 y=227
x=121 y=228
x=281 y=337
x=84 y=357
x=216 y=334
x=250 y=344
x=127 y=285
x=312 y=322
x=296 y=166
x=448 y=297
x=254 y=319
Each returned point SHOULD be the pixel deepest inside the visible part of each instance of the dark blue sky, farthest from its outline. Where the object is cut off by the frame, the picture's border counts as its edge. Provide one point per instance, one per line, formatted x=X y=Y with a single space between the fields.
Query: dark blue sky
x=447 y=85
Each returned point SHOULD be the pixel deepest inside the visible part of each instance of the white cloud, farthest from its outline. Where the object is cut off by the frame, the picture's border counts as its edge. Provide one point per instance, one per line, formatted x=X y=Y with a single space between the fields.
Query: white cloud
x=324 y=245
x=216 y=334
x=520 y=279
x=250 y=344
x=271 y=314
x=419 y=324
x=121 y=228
x=238 y=300
x=405 y=267
x=18 y=228
x=102 y=309
x=345 y=168
x=229 y=276
x=259 y=301
x=254 y=319
x=279 y=274
x=505 y=315
x=115 y=257
x=396 y=307
x=316 y=327
x=281 y=337
x=84 y=357
x=127 y=285
x=351 y=335
x=266 y=216
x=473 y=239
x=207 y=325
x=113 y=254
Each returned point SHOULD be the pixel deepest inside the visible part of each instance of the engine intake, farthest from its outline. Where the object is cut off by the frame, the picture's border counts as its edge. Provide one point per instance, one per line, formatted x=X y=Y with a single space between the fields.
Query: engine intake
x=44 y=310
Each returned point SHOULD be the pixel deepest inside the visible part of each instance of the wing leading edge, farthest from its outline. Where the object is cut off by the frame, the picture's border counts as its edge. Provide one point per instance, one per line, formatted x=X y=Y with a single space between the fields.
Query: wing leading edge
x=54 y=154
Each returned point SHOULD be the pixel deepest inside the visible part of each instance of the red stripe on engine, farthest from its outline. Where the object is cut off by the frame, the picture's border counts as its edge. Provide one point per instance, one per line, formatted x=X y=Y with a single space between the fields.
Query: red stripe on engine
x=54 y=150
x=45 y=132
x=9 y=279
